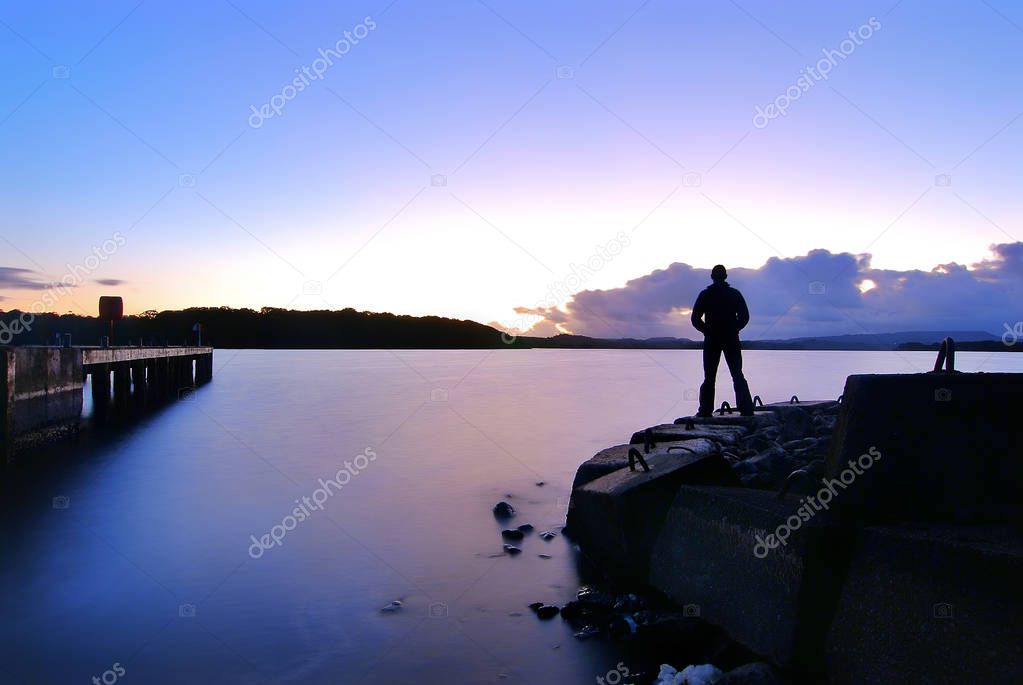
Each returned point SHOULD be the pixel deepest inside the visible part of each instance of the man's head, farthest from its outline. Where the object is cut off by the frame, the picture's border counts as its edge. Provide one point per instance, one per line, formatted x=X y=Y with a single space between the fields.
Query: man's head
x=718 y=273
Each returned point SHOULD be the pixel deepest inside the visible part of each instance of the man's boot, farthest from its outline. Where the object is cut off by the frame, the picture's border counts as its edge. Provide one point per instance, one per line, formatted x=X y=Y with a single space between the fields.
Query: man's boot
x=742 y=397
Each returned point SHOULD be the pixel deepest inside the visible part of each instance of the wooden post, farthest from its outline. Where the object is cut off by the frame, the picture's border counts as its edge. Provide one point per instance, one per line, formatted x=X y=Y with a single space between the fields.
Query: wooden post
x=203 y=368
x=122 y=384
x=183 y=367
x=139 y=384
x=100 y=389
x=153 y=385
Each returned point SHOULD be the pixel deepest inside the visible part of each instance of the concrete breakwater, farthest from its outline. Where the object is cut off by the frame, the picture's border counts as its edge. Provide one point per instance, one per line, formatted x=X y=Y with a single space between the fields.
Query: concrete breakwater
x=41 y=388
x=876 y=540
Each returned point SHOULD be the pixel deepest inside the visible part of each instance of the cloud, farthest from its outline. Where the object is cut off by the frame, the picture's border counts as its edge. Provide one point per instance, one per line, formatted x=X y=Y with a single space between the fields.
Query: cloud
x=820 y=293
x=21 y=279
x=110 y=281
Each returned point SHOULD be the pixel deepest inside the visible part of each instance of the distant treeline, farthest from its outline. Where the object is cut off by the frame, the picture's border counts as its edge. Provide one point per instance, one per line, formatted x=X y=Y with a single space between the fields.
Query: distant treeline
x=967 y=346
x=268 y=328
x=273 y=328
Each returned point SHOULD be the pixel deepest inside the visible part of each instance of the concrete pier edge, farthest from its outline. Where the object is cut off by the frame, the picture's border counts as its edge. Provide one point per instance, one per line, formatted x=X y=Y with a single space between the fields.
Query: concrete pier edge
x=41 y=387
x=951 y=459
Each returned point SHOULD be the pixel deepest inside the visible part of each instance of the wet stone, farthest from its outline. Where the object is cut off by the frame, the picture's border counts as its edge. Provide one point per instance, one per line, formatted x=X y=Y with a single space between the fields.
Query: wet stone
x=504 y=510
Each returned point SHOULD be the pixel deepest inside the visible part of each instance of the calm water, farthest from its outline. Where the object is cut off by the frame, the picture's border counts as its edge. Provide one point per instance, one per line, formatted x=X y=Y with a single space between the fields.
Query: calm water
x=147 y=563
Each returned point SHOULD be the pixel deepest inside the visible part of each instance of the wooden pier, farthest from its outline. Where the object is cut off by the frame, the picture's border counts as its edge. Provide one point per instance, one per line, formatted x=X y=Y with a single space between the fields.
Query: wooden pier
x=41 y=388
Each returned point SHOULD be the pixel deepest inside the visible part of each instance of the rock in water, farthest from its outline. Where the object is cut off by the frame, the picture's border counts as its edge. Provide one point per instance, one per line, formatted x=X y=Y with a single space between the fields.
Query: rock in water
x=511 y=534
x=547 y=535
x=503 y=510
x=572 y=611
x=666 y=676
x=704 y=674
x=587 y=632
x=547 y=612
x=512 y=549
x=757 y=673
x=627 y=604
x=394 y=606
x=526 y=528
x=623 y=627
x=595 y=598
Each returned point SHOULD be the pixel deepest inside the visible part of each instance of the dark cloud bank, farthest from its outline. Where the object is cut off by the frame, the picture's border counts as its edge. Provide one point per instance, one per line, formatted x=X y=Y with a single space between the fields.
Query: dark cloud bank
x=813 y=295
x=21 y=279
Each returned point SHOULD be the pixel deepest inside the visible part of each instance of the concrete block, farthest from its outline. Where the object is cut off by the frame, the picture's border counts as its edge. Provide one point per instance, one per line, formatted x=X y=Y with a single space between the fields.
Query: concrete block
x=616 y=518
x=931 y=604
x=777 y=602
x=600 y=464
x=614 y=458
x=805 y=405
x=725 y=434
x=951 y=446
x=755 y=422
x=48 y=384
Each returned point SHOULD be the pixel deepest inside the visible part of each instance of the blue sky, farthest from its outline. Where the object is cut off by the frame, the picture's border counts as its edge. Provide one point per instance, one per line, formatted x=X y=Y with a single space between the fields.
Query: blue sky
x=464 y=156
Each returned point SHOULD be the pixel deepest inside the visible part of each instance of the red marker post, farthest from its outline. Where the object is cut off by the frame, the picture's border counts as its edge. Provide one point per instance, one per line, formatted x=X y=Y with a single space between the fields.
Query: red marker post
x=111 y=309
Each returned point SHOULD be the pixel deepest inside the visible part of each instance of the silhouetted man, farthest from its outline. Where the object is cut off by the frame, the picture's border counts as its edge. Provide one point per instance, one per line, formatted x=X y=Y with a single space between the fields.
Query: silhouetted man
x=720 y=313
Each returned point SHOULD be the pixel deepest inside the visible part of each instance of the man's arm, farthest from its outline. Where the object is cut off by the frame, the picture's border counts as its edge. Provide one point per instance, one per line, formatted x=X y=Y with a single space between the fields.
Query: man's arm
x=697 y=317
x=741 y=312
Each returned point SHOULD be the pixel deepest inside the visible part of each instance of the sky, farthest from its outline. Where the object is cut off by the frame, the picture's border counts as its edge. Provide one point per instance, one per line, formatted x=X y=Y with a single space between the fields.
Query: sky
x=560 y=167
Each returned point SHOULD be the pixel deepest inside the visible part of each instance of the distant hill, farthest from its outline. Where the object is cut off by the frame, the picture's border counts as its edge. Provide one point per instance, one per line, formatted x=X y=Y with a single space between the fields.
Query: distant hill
x=875 y=341
x=273 y=328
x=586 y=342
x=864 y=341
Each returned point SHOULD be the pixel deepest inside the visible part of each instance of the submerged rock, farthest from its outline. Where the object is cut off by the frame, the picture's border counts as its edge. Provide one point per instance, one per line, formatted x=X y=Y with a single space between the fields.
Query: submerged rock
x=512 y=534
x=526 y=528
x=503 y=510
x=394 y=606
x=628 y=603
x=572 y=611
x=547 y=612
x=593 y=597
x=512 y=549
x=587 y=632
x=548 y=535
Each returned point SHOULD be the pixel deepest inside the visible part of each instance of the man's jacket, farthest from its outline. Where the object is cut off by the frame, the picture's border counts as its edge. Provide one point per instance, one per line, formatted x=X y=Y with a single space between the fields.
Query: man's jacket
x=720 y=311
